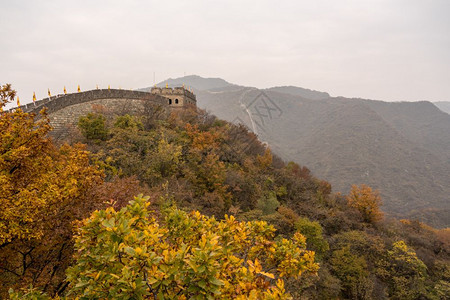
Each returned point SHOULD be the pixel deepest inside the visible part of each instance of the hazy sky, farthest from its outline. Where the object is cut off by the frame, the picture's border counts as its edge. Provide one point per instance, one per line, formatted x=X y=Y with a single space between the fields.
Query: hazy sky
x=382 y=49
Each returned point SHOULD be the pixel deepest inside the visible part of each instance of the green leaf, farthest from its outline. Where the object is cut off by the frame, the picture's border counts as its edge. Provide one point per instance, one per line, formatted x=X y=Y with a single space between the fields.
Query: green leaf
x=129 y=250
x=151 y=280
x=201 y=269
x=202 y=284
x=216 y=281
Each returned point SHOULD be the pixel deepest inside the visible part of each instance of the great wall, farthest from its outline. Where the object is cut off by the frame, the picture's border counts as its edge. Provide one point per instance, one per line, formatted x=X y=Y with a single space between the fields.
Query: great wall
x=65 y=110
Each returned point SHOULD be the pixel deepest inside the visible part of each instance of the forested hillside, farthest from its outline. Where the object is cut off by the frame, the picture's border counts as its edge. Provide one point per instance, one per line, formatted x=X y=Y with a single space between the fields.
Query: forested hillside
x=400 y=148
x=265 y=228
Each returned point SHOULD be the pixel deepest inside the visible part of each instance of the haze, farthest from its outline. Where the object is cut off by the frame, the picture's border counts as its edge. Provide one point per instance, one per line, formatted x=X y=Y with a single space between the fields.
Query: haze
x=386 y=50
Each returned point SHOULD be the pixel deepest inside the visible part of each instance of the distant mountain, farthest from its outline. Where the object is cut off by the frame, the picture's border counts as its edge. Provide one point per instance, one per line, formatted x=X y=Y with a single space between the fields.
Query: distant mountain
x=196 y=82
x=298 y=91
x=402 y=149
x=443 y=105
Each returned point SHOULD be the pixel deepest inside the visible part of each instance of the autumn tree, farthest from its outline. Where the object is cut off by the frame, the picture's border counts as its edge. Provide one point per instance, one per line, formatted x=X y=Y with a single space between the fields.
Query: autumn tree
x=165 y=162
x=42 y=189
x=407 y=273
x=7 y=94
x=129 y=254
x=352 y=270
x=205 y=171
x=366 y=201
x=265 y=161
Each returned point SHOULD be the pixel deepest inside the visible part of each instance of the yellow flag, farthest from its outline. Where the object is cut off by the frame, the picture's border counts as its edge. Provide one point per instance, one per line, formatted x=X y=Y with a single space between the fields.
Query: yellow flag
x=49 y=94
x=18 y=102
x=65 y=91
x=167 y=85
x=109 y=87
x=79 y=90
x=34 y=97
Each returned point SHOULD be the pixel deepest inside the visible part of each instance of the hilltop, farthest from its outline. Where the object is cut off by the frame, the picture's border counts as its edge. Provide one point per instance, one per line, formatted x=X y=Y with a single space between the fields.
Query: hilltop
x=195 y=81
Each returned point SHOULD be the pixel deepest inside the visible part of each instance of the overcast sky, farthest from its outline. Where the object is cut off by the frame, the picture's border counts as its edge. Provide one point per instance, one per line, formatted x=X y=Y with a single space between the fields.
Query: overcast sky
x=381 y=49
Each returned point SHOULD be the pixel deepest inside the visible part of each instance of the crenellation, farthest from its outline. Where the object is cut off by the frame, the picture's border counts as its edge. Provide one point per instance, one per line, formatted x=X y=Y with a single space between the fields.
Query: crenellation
x=29 y=106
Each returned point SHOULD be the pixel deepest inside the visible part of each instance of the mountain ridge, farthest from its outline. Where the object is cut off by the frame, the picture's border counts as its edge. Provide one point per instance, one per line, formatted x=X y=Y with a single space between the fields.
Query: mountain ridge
x=299 y=91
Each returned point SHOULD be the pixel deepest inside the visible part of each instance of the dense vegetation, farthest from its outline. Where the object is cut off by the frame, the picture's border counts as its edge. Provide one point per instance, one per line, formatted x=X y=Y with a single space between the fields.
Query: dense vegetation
x=265 y=228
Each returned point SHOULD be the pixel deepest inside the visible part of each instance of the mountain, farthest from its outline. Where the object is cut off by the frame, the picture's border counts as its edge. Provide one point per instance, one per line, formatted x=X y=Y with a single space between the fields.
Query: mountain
x=443 y=105
x=401 y=149
x=196 y=82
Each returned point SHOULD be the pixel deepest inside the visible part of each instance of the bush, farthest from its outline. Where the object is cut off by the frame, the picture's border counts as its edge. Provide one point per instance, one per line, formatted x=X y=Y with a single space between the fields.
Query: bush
x=313 y=233
x=128 y=122
x=93 y=127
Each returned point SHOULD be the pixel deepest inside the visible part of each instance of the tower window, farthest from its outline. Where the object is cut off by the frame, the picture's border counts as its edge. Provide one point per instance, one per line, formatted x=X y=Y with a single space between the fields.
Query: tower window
x=176 y=101
x=170 y=101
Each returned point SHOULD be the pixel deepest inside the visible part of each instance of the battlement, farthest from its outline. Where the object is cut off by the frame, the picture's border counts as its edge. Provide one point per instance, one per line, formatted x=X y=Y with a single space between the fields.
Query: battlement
x=173 y=91
x=174 y=98
x=58 y=102
x=177 y=97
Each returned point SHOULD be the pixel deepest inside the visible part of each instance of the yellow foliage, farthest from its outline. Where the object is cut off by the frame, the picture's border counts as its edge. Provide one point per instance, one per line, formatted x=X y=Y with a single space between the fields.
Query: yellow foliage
x=366 y=201
x=35 y=176
x=42 y=189
x=265 y=160
x=185 y=255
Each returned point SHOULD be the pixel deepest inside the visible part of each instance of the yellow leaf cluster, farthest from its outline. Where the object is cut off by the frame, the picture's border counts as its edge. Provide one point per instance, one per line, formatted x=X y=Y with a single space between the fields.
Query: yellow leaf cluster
x=36 y=178
x=184 y=255
x=366 y=201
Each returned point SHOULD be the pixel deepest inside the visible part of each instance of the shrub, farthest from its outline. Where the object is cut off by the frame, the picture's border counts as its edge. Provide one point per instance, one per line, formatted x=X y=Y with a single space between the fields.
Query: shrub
x=93 y=127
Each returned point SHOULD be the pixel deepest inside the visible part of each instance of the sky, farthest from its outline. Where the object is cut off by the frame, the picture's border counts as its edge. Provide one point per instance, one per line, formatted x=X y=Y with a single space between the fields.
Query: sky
x=391 y=50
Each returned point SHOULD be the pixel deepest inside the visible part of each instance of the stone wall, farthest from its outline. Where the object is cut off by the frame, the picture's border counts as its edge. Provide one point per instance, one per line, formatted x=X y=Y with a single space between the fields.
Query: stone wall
x=66 y=119
x=65 y=110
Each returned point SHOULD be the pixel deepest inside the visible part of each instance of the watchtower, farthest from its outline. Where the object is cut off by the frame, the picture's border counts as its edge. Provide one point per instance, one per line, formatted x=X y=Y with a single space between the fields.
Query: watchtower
x=178 y=97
